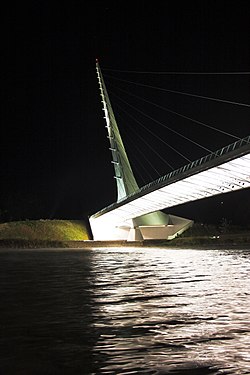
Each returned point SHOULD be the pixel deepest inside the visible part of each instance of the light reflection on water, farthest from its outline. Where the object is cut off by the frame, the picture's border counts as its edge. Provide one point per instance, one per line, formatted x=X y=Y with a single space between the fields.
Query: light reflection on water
x=168 y=310
x=125 y=311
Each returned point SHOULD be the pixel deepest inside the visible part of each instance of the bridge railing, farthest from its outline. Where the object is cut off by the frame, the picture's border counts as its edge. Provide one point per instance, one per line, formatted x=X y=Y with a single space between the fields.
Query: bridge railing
x=205 y=159
x=214 y=155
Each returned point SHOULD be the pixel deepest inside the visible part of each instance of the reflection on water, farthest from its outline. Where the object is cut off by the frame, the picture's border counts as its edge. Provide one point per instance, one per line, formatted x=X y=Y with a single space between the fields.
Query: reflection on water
x=125 y=311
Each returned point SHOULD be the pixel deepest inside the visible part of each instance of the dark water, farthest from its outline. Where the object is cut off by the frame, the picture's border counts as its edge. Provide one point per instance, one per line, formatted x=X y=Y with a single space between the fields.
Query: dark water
x=124 y=311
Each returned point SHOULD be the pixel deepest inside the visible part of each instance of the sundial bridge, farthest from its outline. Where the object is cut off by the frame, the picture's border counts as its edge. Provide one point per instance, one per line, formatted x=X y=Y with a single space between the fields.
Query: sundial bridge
x=136 y=215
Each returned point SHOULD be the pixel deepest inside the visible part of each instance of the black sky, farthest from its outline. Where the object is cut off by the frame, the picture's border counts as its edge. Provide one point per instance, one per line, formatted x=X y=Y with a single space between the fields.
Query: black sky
x=55 y=161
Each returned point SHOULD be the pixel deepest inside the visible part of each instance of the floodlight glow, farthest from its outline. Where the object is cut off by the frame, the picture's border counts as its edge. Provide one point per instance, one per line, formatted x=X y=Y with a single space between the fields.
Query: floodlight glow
x=227 y=177
x=136 y=215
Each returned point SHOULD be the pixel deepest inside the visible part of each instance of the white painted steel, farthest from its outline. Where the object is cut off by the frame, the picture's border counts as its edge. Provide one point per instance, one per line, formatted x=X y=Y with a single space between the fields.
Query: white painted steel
x=227 y=177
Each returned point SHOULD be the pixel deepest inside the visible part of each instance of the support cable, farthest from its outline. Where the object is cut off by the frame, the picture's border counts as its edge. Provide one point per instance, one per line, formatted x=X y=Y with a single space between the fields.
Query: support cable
x=143 y=140
x=156 y=136
x=163 y=125
x=178 y=114
x=181 y=92
x=176 y=73
x=147 y=160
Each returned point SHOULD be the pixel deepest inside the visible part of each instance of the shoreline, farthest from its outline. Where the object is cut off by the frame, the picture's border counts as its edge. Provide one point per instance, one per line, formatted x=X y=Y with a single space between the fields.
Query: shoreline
x=179 y=243
x=74 y=234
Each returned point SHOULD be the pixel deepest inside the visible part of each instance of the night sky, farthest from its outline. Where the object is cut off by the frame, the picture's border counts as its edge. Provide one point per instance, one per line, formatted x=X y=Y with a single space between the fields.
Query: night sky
x=55 y=161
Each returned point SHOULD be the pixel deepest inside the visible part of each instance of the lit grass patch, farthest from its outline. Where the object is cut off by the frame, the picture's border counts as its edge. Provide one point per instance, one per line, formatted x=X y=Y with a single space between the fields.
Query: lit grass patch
x=51 y=230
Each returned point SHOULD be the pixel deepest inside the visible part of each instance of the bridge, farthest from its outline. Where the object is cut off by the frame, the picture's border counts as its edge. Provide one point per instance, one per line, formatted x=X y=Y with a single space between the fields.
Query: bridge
x=136 y=214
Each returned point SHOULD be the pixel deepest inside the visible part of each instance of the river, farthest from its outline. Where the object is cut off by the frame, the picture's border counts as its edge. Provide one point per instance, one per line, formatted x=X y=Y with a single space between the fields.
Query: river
x=124 y=311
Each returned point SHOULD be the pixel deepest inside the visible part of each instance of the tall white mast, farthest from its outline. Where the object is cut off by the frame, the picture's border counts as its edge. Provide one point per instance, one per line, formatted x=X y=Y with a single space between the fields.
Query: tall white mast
x=125 y=180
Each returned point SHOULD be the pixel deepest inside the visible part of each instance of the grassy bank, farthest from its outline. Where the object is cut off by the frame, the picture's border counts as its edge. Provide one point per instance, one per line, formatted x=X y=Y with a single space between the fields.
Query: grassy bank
x=72 y=233
x=42 y=233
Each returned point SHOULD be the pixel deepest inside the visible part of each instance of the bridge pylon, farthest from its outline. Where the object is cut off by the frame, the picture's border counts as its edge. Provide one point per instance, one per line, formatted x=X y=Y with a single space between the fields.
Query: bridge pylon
x=153 y=225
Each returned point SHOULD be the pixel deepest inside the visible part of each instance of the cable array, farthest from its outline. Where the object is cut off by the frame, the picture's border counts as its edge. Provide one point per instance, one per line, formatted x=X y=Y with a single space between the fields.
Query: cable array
x=161 y=133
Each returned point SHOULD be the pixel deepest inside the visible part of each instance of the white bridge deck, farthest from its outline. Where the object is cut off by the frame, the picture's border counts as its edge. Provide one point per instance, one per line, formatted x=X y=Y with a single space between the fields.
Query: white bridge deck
x=223 y=171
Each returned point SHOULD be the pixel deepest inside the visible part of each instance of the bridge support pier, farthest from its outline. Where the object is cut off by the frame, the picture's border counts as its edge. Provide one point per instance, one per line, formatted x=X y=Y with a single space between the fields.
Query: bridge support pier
x=135 y=235
x=153 y=226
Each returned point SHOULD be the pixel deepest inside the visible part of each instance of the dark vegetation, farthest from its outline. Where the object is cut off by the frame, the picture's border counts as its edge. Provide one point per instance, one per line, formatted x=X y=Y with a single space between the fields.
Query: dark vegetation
x=210 y=235
x=74 y=233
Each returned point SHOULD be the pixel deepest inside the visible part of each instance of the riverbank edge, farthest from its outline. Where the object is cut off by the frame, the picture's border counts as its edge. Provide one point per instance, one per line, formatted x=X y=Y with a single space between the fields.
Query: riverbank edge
x=180 y=243
x=37 y=234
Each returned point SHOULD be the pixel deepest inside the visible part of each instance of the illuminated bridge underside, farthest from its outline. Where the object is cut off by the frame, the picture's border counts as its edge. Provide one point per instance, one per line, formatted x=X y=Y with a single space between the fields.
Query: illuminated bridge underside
x=116 y=221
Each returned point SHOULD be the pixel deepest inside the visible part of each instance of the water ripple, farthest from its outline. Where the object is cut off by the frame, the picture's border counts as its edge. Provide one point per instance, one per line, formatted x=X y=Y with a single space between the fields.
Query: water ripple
x=125 y=311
